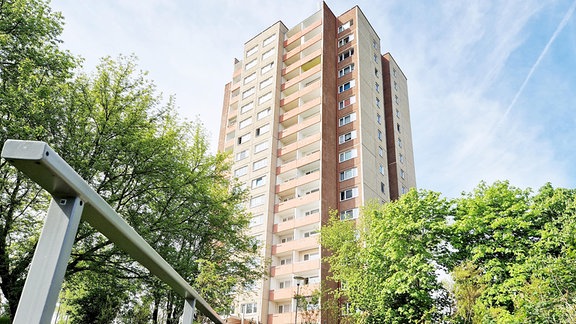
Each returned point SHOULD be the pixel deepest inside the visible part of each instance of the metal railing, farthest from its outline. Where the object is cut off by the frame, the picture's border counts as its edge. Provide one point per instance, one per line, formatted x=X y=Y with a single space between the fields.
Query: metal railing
x=73 y=199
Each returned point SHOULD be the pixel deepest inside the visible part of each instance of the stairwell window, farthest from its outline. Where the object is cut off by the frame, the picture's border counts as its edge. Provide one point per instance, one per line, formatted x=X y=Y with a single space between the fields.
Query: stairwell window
x=249 y=308
x=344 y=26
x=348 y=85
x=347 y=155
x=348 y=174
x=348 y=194
x=347 y=119
x=347 y=69
x=345 y=40
x=347 y=137
x=346 y=54
x=346 y=102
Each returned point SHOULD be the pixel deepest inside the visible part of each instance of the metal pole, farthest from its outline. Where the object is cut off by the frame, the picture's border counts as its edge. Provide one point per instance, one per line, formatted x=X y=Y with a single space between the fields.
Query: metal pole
x=46 y=273
x=297 y=293
x=189 y=310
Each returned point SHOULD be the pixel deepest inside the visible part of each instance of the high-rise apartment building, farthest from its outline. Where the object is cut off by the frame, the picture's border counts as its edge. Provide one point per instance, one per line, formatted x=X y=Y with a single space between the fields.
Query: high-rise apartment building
x=316 y=119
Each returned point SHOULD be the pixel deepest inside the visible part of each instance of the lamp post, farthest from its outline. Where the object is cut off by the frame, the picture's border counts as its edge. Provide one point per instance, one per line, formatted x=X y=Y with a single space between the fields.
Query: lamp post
x=297 y=295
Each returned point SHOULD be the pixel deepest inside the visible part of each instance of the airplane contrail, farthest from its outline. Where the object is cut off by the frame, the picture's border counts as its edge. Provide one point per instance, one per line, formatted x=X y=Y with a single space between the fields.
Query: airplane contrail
x=559 y=29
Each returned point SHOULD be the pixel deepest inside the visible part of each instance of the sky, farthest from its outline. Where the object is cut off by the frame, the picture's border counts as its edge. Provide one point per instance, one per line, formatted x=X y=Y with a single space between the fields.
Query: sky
x=492 y=84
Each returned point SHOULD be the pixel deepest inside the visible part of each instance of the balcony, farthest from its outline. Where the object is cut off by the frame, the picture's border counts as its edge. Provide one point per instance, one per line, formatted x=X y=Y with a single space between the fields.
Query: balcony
x=296 y=222
x=298 y=162
x=295 y=267
x=296 y=245
x=292 y=203
x=299 y=143
x=299 y=126
x=303 y=61
x=299 y=181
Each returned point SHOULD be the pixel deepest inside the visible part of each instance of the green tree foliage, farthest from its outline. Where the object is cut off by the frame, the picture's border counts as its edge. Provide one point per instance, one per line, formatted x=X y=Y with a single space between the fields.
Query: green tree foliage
x=33 y=71
x=510 y=254
x=387 y=264
x=518 y=249
x=155 y=170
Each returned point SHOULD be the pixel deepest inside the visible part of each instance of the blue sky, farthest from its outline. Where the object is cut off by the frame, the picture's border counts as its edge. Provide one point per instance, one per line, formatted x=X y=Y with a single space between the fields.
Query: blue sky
x=492 y=84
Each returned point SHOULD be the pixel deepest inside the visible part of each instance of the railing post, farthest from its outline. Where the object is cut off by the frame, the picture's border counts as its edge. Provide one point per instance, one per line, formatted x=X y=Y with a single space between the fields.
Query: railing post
x=46 y=273
x=189 y=310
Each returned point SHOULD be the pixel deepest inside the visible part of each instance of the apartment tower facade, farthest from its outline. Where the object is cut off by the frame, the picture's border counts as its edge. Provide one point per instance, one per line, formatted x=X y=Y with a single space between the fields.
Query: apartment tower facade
x=316 y=119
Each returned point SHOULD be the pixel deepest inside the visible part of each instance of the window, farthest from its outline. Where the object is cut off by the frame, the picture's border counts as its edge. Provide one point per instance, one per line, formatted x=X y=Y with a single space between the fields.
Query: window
x=246 y=107
x=376 y=73
x=344 y=26
x=348 y=194
x=262 y=130
x=245 y=122
x=312 y=212
x=397 y=113
x=345 y=40
x=249 y=308
x=402 y=174
x=346 y=137
x=394 y=72
x=398 y=127
x=267 y=54
x=375 y=58
x=396 y=99
x=258 y=182
x=311 y=256
x=404 y=190
x=346 y=54
x=400 y=143
x=378 y=102
x=395 y=85
x=244 y=138
x=252 y=51
x=250 y=78
x=346 y=102
x=256 y=220
x=347 y=69
x=347 y=155
x=260 y=147
x=285 y=284
x=377 y=87
x=349 y=214
x=374 y=44
x=269 y=40
x=382 y=187
x=347 y=119
x=348 y=174
x=311 y=233
x=401 y=158
x=240 y=172
x=250 y=65
x=266 y=68
x=379 y=134
x=346 y=86
x=257 y=201
x=266 y=83
x=286 y=239
x=284 y=308
x=241 y=155
x=265 y=98
x=248 y=93
x=285 y=261
x=380 y=151
x=259 y=164
x=379 y=119
x=381 y=168
x=263 y=113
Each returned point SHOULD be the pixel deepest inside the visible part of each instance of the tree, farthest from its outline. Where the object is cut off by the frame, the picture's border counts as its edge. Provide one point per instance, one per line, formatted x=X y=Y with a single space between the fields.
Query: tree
x=518 y=251
x=33 y=71
x=120 y=136
x=387 y=264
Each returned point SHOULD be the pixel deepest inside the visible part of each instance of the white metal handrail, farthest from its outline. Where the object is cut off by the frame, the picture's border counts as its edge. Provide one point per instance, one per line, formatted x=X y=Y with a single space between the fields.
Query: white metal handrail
x=73 y=199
